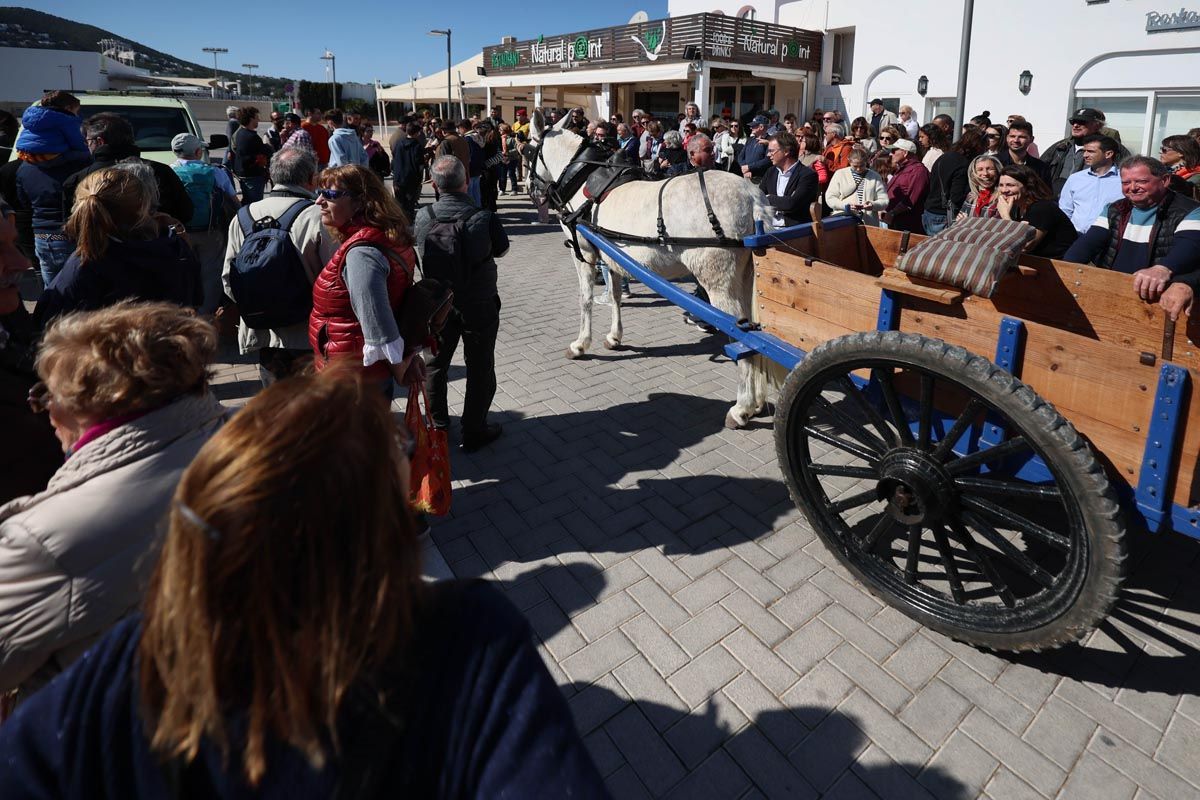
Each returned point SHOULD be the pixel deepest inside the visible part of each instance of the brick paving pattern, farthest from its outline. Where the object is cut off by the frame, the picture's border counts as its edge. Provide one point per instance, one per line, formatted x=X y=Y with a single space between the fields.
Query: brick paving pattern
x=709 y=645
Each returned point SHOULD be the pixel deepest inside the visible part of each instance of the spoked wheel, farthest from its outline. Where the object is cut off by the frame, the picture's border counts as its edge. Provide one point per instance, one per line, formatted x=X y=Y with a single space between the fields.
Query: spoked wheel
x=879 y=438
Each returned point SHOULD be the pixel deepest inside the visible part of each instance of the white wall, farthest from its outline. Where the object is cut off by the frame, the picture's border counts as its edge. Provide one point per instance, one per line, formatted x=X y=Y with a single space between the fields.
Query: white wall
x=29 y=72
x=1053 y=39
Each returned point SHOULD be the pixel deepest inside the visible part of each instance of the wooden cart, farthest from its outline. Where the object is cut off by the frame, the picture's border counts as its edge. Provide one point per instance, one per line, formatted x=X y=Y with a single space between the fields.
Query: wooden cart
x=974 y=461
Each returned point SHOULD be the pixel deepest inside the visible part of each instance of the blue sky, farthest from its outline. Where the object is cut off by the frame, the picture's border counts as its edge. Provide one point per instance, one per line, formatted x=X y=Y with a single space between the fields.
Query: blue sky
x=380 y=40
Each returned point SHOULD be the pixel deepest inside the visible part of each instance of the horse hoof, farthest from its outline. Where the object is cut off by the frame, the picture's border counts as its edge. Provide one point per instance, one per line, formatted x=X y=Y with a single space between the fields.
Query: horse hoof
x=571 y=354
x=732 y=422
x=611 y=345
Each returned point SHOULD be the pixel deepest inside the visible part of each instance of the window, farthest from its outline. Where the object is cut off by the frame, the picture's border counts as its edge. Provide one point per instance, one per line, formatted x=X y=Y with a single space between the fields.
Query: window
x=1173 y=115
x=1124 y=113
x=662 y=105
x=938 y=105
x=153 y=127
x=841 y=70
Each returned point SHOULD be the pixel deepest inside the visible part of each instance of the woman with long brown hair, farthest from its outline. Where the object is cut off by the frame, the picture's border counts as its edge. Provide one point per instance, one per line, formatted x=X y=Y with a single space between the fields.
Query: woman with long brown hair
x=288 y=645
x=1026 y=197
x=123 y=250
x=357 y=294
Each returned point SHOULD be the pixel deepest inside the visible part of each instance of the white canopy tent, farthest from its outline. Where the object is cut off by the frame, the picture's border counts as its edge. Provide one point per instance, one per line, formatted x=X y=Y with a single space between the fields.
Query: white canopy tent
x=432 y=88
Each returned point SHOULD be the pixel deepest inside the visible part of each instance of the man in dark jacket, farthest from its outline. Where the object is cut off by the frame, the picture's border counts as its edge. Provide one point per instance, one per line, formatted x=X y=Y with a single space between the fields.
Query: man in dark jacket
x=1016 y=150
x=110 y=138
x=790 y=186
x=1065 y=157
x=478 y=238
x=753 y=160
x=407 y=168
x=40 y=189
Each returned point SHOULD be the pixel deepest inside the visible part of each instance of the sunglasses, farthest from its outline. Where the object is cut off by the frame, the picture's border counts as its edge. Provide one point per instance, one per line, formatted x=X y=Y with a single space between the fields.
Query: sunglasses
x=39 y=398
x=828 y=119
x=992 y=135
x=333 y=194
x=1166 y=149
x=887 y=138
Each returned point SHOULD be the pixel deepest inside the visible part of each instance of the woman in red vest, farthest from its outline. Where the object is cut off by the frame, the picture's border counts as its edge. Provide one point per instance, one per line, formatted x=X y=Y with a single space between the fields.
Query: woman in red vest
x=357 y=294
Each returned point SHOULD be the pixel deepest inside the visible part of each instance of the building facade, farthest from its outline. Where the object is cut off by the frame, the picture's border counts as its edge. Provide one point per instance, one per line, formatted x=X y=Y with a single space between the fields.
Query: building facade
x=726 y=65
x=1136 y=60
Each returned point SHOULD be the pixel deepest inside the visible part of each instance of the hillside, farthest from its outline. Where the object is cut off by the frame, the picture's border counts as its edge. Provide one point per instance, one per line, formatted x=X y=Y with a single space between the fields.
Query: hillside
x=24 y=27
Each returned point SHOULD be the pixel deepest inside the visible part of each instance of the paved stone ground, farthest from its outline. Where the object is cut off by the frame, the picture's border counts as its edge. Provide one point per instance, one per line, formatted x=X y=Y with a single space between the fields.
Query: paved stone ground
x=708 y=644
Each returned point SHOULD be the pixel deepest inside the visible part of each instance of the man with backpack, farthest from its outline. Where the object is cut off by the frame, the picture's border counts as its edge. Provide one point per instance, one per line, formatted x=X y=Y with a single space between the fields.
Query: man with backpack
x=459 y=243
x=210 y=189
x=277 y=247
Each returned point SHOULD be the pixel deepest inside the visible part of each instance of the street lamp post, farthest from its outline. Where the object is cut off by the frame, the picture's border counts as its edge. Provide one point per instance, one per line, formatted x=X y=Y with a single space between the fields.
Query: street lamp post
x=964 y=56
x=449 y=93
x=251 y=68
x=70 y=68
x=332 y=59
x=216 y=76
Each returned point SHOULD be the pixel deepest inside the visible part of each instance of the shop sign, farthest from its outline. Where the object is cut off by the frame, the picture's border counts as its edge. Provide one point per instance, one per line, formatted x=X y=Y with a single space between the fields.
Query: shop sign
x=1180 y=20
x=566 y=51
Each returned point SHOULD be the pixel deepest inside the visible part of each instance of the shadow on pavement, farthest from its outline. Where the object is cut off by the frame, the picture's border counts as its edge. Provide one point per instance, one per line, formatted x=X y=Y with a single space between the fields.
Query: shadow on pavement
x=1151 y=639
x=800 y=752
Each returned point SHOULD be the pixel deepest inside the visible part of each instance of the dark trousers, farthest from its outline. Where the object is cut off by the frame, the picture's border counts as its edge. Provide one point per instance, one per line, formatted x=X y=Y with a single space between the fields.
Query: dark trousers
x=477 y=325
x=408 y=195
x=490 y=189
x=277 y=363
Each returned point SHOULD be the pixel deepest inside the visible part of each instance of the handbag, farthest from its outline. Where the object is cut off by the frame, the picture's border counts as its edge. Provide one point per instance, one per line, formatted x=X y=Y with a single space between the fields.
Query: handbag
x=429 y=469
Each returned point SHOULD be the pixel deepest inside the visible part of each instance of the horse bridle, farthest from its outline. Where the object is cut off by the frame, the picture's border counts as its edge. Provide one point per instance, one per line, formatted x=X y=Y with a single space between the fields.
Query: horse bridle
x=558 y=192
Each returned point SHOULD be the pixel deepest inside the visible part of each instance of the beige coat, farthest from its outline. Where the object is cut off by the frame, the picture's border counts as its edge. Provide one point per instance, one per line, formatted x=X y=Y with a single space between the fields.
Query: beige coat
x=75 y=558
x=315 y=245
x=841 y=192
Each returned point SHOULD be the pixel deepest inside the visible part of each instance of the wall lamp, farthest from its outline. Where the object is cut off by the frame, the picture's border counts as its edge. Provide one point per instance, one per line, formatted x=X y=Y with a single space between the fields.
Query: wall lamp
x=1025 y=82
x=922 y=85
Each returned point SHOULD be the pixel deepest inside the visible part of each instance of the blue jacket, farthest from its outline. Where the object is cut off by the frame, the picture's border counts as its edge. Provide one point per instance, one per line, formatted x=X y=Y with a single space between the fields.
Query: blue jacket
x=47 y=130
x=40 y=189
x=346 y=148
x=754 y=156
x=484 y=719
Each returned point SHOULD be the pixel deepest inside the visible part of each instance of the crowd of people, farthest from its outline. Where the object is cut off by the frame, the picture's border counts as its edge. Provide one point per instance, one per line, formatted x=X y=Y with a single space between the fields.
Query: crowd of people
x=265 y=653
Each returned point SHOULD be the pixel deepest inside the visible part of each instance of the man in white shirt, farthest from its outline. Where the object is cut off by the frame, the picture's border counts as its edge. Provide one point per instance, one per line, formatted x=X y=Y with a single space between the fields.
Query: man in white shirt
x=1087 y=192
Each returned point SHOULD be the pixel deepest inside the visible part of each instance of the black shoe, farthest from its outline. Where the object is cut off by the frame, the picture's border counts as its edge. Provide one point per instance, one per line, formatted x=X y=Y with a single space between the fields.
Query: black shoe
x=474 y=441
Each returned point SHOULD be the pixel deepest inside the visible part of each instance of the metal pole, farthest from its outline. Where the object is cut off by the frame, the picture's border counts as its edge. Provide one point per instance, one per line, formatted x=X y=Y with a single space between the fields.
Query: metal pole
x=964 y=56
x=449 y=94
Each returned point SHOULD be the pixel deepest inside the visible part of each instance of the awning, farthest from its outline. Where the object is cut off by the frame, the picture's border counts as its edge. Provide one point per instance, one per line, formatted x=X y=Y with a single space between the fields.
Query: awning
x=775 y=73
x=432 y=88
x=645 y=73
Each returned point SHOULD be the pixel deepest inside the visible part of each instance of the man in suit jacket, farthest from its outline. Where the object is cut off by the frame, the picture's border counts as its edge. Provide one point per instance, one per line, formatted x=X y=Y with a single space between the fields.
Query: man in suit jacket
x=790 y=186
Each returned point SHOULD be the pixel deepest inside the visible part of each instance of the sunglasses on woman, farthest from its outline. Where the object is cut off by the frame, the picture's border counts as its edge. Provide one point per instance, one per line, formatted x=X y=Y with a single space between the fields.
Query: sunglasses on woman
x=887 y=139
x=334 y=194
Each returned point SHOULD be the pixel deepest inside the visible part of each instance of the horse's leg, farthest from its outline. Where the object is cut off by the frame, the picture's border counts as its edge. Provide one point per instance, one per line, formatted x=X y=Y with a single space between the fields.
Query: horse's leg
x=613 y=340
x=587 y=277
x=722 y=273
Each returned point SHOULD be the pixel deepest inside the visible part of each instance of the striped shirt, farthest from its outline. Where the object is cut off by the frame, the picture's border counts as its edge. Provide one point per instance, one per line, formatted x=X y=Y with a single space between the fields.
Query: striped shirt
x=1134 y=252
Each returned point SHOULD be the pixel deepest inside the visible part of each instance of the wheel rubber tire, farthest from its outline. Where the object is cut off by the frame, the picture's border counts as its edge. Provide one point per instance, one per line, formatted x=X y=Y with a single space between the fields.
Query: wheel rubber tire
x=1079 y=474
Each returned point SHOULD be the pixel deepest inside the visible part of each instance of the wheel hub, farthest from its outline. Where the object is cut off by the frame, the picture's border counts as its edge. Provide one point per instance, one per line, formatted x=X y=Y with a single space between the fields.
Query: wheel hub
x=915 y=487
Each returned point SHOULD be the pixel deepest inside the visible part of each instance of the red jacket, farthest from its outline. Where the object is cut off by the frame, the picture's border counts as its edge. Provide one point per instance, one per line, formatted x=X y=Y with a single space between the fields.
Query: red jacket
x=906 y=196
x=333 y=330
x=320 y=139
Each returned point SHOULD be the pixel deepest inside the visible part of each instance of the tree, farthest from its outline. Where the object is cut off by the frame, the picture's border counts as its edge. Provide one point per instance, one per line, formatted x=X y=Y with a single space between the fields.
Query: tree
x=316 y=95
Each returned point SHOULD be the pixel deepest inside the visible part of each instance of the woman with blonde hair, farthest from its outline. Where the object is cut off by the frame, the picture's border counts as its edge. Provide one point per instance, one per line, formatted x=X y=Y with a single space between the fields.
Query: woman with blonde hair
x=126 y=390
x=358 y=293
x=288 y=646
x=982 y=177
x=123 y=250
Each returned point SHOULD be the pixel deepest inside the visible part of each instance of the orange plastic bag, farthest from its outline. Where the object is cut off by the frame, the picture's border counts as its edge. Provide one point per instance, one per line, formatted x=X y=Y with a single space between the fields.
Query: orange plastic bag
x=429 y=471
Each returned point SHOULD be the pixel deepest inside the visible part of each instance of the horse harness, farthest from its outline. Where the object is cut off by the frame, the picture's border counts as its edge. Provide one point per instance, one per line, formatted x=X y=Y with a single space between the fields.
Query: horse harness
x=598 y=170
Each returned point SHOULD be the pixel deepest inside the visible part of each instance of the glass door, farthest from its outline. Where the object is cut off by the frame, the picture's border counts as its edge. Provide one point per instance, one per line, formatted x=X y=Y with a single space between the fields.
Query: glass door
x=724 y=100
x=752 y=100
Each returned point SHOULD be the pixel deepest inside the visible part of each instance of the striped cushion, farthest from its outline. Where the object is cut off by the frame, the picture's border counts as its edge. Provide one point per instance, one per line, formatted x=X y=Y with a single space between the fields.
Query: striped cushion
x=972 y=254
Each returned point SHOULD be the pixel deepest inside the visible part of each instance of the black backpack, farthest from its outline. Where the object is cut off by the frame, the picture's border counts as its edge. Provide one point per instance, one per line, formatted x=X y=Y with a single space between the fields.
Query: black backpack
x=444 y=258
x=267 y=277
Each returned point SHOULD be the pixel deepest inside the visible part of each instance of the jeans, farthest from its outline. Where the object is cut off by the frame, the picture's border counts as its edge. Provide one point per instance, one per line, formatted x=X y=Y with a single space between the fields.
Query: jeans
x=934 y=223
x=476 y=324
x=474 y=191
x=52 y=255
x=252 y=189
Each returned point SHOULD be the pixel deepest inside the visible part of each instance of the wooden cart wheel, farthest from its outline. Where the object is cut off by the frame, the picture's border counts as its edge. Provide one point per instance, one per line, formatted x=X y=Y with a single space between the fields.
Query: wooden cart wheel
x=867 y=429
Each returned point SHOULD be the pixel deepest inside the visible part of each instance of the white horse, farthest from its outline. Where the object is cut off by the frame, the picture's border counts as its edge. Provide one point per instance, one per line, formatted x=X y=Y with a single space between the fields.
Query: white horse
x=726 y=273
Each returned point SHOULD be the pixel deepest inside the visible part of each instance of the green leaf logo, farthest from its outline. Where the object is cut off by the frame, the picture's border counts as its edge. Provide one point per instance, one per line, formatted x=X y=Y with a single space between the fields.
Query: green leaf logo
x=581 y=48
x=653 y=37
